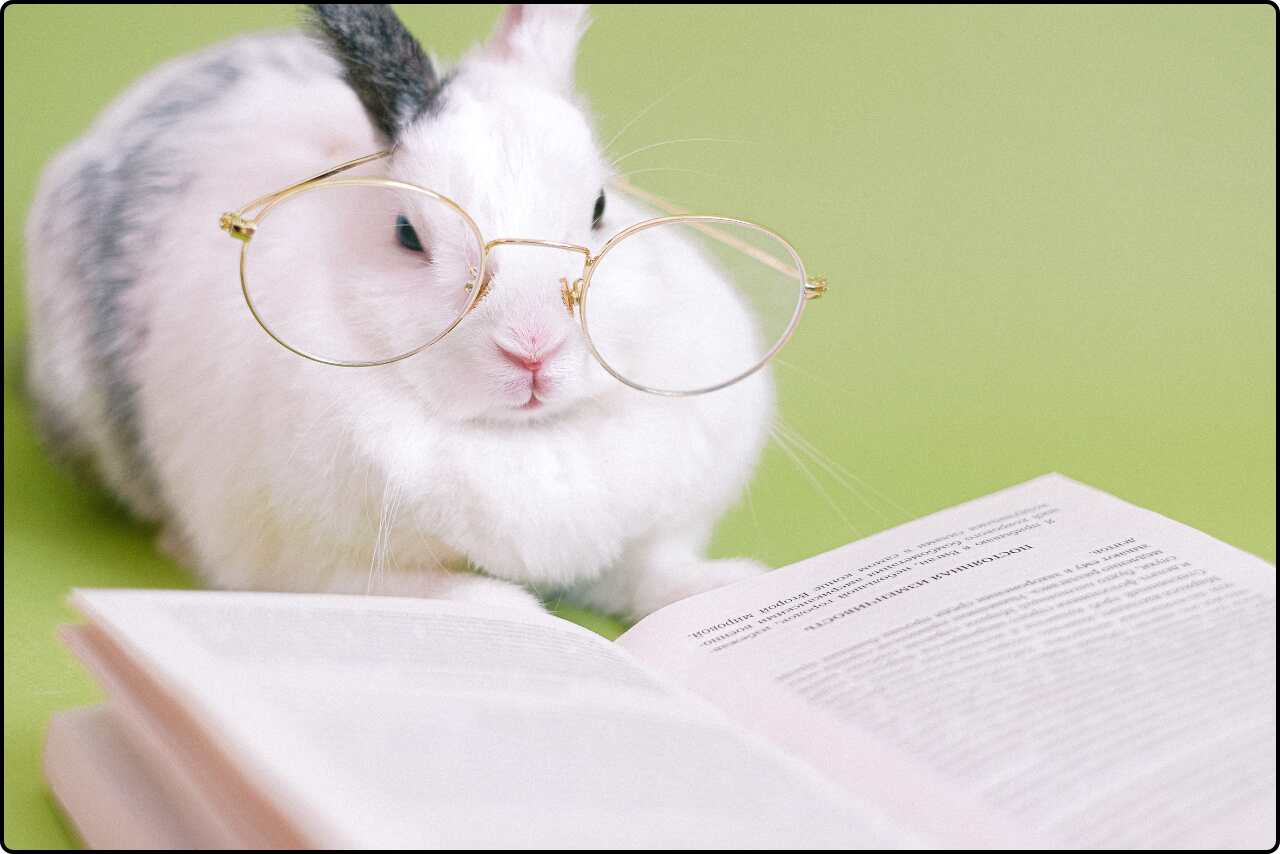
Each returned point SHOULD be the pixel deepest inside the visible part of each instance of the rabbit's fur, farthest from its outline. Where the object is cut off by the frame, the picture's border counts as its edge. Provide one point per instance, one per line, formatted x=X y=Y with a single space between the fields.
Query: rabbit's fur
x=271 y=472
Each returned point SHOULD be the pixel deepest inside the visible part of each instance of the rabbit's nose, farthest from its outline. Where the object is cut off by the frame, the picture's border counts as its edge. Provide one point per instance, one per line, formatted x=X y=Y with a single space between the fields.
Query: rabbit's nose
x=531 y=358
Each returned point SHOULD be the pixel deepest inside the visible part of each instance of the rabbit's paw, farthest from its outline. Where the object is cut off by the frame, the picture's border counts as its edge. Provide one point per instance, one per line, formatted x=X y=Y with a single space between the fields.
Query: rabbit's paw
x=491 y=591
x=454 y=586
x=660 y=587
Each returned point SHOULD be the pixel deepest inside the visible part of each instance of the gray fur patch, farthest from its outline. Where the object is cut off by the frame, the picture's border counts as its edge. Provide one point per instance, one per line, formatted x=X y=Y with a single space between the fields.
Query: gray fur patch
x=109 y=203
x=382 y=62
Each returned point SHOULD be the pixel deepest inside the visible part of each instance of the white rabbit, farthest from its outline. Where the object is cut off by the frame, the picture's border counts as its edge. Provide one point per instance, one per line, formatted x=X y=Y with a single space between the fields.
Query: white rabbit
x=426 y=477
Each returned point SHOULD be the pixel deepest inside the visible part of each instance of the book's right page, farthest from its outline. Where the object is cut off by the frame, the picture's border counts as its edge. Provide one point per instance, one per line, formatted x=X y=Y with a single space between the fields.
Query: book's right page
x=1048 y=664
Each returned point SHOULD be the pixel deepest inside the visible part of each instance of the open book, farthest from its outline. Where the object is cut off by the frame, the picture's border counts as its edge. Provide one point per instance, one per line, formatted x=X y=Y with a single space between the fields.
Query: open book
x=1044 y=666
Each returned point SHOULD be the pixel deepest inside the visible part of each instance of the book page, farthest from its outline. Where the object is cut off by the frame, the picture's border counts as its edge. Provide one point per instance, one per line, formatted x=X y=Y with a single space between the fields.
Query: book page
x=1044 y=665
x=217 y=805
x=381 y=722
x=113 y=800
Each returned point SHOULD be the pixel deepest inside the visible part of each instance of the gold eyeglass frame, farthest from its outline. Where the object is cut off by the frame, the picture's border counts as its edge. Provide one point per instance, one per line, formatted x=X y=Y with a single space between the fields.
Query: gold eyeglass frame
x=240 y=225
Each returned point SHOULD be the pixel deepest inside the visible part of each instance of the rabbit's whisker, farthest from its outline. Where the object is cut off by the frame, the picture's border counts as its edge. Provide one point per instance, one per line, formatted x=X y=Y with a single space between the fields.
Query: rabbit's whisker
x=847 y=479
x=672 y=169
x=755 y=520
x=391 y=497
x=784 y=444
x=654 y=145
x=778 y=360
x=646 y=110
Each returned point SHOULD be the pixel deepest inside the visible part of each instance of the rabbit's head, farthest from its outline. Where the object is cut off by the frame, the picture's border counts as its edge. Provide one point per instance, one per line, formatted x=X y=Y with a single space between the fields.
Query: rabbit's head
x=504 y=136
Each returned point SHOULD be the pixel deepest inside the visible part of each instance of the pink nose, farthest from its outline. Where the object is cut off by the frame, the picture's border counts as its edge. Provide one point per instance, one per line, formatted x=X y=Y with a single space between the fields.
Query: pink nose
x=530 y=362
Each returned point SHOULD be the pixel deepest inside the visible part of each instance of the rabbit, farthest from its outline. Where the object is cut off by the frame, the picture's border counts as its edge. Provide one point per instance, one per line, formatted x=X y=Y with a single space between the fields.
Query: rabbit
x=428 y=477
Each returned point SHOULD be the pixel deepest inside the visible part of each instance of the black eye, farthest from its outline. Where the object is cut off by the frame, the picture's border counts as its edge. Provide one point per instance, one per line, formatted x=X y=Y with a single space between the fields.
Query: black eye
x=406 y=235
x=598 y=214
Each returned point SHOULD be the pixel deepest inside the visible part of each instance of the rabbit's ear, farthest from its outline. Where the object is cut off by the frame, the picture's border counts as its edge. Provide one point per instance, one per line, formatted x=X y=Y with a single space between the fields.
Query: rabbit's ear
x=382 y=62
x=542 y=39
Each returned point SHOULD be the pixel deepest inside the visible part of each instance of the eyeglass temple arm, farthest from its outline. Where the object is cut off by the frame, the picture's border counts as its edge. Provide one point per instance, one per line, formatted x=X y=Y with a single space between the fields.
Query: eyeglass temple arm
x=236 y=223
x=814 y=286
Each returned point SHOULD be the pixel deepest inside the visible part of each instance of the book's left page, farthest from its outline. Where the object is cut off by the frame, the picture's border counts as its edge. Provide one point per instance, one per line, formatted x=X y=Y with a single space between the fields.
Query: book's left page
x=383 y=722
x=112 y=798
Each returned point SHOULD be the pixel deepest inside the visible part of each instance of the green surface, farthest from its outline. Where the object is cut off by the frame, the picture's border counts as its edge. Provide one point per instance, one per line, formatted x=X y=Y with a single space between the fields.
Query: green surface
x=1049 y=234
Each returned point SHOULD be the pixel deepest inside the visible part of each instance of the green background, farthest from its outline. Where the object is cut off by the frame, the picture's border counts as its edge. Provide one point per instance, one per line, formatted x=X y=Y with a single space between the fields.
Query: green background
x=1049 y=234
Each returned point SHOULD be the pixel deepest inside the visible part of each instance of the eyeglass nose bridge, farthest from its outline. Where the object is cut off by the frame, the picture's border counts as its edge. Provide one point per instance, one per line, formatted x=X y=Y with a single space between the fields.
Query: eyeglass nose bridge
x=570 y=293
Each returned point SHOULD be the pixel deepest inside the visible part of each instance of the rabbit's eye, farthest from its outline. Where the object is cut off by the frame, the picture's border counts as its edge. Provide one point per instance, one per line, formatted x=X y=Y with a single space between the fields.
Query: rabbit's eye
x=598 y=214
x=406 y=235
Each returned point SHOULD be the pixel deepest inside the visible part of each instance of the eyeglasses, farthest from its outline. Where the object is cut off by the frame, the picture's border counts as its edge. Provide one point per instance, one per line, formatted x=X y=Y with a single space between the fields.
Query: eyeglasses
x=365 y=271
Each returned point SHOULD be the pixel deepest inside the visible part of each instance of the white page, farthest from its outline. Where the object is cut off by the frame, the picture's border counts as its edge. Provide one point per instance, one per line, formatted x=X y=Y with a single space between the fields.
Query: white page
x=113 y=800
x=1044 y=664
x=216 y=805
x=379 y=722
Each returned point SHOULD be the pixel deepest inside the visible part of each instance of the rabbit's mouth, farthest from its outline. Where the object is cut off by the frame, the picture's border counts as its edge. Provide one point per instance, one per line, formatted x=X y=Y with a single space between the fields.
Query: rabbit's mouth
x=537 y=408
